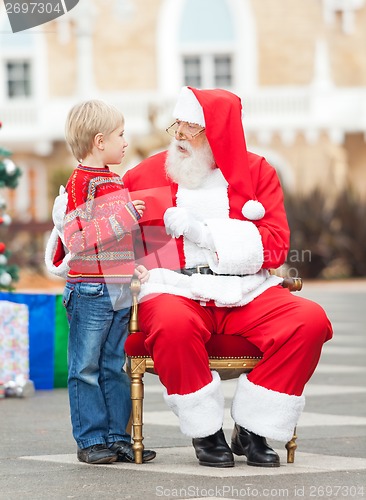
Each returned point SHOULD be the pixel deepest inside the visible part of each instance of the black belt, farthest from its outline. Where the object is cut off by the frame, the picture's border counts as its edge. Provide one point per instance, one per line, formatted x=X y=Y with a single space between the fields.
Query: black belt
x=204 y=269
x=196 y=270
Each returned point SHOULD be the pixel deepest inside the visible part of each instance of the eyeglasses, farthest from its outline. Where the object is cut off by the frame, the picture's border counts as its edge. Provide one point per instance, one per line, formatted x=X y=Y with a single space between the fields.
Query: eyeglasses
x=189 y=135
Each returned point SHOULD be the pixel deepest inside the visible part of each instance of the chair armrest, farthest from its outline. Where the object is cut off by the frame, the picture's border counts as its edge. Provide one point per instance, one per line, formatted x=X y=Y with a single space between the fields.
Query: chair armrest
x=293 y=284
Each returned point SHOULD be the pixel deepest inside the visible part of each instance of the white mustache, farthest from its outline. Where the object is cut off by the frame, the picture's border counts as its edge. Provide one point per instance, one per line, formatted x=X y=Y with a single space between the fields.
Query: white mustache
x=183 y=144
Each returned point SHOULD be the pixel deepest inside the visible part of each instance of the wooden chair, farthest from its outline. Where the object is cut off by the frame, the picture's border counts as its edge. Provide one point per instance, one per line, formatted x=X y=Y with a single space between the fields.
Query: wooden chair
x=229 y=355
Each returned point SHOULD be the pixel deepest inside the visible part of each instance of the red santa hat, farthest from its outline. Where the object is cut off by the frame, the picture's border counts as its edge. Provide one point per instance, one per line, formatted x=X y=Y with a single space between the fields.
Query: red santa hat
x=219 y=111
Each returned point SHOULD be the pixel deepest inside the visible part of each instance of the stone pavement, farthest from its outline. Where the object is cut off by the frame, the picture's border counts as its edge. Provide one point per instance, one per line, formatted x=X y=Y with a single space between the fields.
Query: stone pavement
x=38 y=459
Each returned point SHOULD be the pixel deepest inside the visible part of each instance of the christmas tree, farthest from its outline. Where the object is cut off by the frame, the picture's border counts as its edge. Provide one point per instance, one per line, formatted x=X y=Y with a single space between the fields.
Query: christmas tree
x=9 y=175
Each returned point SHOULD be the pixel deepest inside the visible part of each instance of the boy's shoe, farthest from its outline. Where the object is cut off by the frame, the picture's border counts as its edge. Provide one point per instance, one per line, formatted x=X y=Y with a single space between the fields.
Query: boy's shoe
x=125 y=452
x=96 y=454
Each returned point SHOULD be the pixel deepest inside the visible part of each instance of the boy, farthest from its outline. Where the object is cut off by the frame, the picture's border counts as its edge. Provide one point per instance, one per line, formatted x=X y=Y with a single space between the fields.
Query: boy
x=96 y=231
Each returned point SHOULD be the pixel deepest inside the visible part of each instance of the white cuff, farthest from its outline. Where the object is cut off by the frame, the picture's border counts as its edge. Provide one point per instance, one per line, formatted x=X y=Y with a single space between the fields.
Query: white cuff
x=51 y=248
x=268 y=413
x=238 y=244
x=200 y=413
x=207 y=240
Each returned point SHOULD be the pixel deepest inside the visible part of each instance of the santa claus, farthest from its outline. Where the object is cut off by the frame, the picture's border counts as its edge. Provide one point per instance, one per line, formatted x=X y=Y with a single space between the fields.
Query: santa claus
x=214 y=225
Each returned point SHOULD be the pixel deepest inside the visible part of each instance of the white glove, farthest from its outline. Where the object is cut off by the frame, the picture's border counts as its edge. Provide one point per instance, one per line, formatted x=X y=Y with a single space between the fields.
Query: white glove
x=180 y=222
x=59 y=211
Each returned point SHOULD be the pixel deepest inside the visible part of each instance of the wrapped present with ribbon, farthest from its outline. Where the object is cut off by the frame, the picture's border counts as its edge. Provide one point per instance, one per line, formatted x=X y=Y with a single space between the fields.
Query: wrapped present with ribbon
x=48 y=335
x=14 y=341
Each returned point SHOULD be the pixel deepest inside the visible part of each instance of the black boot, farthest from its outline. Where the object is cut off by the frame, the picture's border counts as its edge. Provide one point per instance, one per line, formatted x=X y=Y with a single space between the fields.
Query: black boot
x=213 y=450
x=254 y=447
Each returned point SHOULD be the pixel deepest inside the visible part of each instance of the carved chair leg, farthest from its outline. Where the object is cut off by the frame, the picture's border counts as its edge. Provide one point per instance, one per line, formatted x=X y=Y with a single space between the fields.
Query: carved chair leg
x=291 y=447
x=137 y=396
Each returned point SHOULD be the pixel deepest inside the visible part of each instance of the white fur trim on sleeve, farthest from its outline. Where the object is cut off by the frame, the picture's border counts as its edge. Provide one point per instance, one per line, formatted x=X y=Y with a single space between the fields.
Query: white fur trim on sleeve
x=239 y=248
x=268 y=413
x=63 y=268
x=200 y=413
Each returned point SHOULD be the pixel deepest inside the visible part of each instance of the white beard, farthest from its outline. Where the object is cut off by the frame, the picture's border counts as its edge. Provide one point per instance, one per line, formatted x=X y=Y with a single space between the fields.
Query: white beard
x=189 y=171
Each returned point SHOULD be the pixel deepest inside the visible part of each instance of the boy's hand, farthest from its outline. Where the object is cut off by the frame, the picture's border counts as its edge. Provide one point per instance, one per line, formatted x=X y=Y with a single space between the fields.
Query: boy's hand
x=142 y=273
x=140 y=206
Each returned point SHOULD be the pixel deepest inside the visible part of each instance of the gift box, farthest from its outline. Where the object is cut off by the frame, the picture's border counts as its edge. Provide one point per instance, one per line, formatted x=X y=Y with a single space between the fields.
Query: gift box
x=14 y=341
x=44 y=336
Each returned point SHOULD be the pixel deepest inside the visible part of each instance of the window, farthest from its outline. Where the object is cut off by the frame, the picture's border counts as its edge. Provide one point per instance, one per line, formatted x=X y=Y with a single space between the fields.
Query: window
x=207 y=49
x=18 y=77
x=223 y=71
x=218 y=53
x=343 y=9
x=208 y=70
x=192 y=71
x=23 y=64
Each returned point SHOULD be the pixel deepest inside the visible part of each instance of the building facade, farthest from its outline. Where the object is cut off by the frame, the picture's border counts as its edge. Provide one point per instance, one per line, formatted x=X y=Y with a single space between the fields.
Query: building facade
x=298 y=65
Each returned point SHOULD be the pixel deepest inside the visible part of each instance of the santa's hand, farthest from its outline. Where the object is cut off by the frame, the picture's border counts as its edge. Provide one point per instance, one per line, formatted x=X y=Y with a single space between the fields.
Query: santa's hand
x=59 y=211
x=179 y=222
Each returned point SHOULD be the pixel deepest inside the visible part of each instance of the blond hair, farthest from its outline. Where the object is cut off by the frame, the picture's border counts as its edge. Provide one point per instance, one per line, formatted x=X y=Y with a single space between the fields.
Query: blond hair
x=87 y=119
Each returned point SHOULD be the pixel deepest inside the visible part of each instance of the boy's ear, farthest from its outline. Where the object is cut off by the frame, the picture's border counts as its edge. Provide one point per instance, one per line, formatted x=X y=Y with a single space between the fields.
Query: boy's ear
x=99 y=141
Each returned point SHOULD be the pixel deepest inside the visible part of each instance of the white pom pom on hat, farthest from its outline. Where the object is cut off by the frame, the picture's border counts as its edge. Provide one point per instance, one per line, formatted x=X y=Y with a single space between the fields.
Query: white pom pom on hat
x=253 y=210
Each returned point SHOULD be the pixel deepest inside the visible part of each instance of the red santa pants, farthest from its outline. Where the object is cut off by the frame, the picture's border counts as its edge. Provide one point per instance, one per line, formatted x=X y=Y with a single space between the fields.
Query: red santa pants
x=288 y=329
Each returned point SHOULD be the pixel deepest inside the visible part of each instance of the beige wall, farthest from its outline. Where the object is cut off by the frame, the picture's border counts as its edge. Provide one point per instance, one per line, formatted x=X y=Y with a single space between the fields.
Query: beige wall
x=287 y=31
x=284 y=26
x=356 y=150
x=124 y=51
x=348 y=61
x=61 y=60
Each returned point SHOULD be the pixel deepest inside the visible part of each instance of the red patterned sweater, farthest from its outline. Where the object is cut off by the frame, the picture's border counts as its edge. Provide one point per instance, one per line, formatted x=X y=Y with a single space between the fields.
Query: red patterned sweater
x=98 y=223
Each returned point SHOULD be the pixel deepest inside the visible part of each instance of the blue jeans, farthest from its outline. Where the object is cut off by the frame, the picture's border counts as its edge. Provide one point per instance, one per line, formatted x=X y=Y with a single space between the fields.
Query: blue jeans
x=99 y=388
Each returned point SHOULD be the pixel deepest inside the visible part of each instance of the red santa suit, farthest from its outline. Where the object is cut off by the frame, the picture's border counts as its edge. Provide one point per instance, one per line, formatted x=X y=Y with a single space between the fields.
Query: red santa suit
x=241 y=206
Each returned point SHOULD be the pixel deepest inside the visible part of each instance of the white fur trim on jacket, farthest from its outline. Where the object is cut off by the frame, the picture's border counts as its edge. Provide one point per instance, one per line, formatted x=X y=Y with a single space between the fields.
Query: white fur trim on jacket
x=265 y=412
x=226 y=291
x=200 y=413
x=63 y=268
x=208 y=201
x=239 y=248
